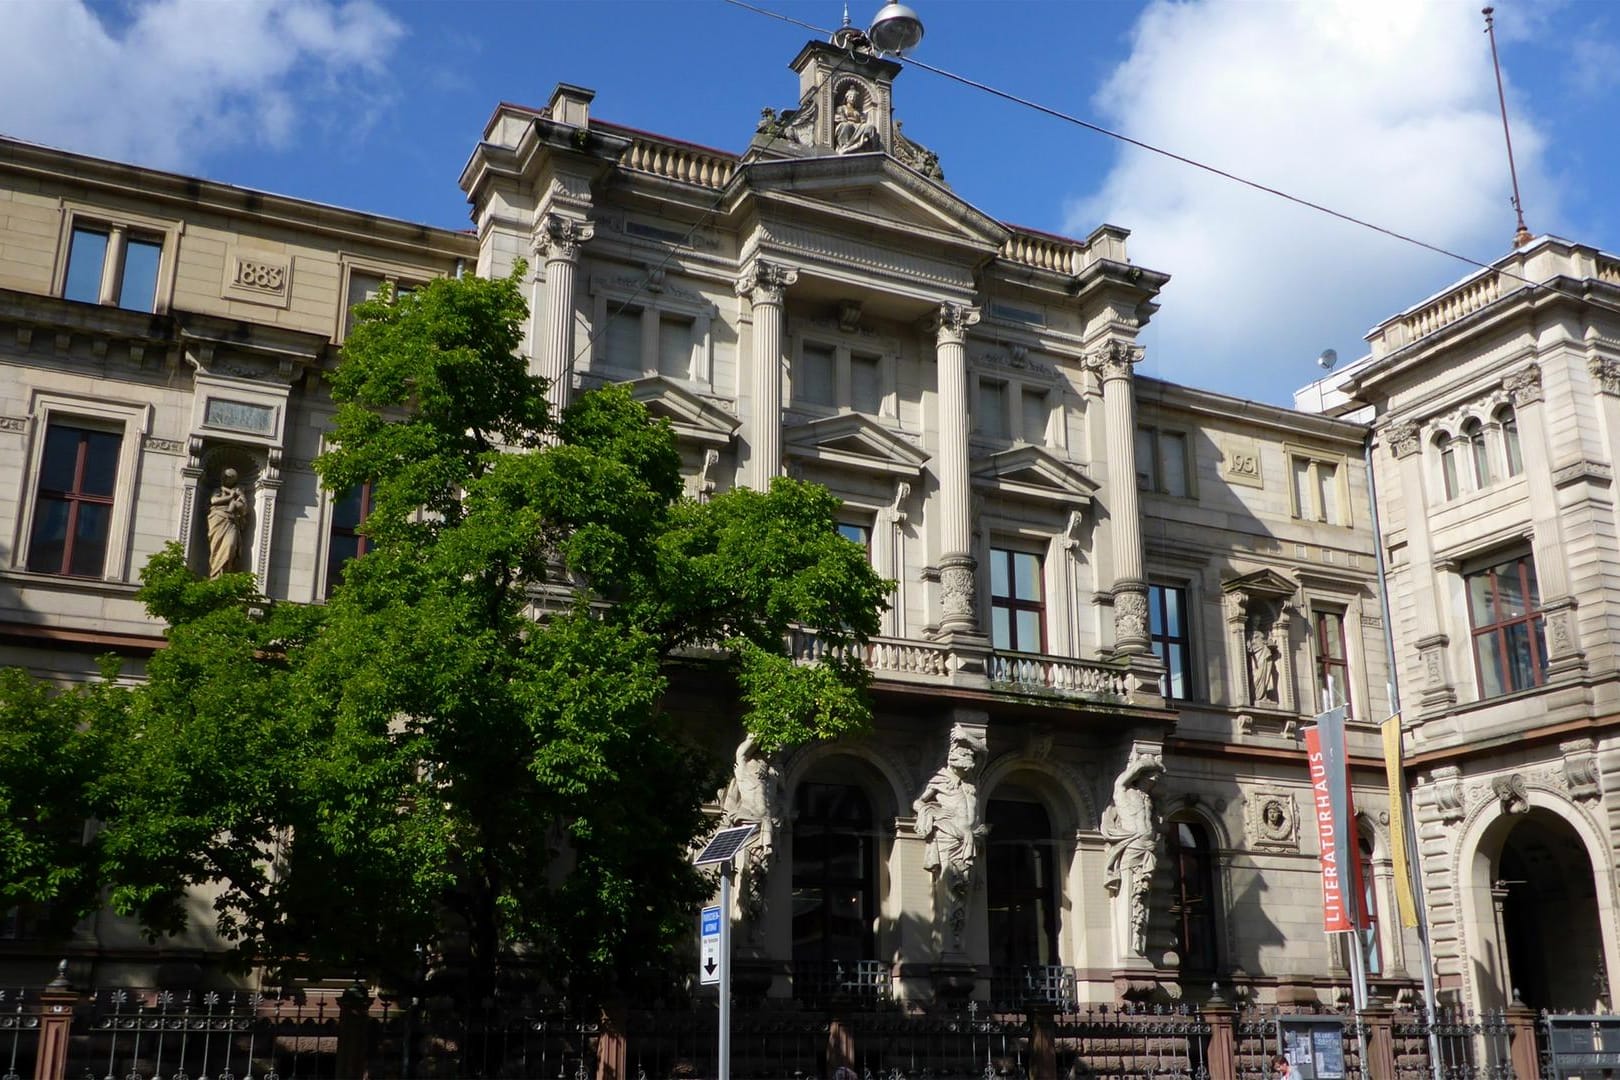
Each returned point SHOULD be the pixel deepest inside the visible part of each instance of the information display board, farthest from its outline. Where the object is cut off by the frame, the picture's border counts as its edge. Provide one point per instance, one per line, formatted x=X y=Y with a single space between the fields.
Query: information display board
x=1582 y=1046
x=1313 y=1045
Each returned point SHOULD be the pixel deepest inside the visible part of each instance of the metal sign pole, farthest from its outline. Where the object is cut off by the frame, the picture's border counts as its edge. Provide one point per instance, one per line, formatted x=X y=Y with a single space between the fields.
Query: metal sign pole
x=725 y=970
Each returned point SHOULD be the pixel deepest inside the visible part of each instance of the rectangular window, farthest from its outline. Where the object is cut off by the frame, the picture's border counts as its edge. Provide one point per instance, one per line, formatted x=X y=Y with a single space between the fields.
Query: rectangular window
x=1316 y=490
x=817 y=383
x=675 y=347
x=74 y=501
x=1167 y=627
x=1035 y=416
x=1161 y=461
x=345 y=541
x=866 y=383
x=993 y=409
x=622 y=340
x=1017 y=610
x=1510 y=645
x=107 y=265
x=858 y=534
x=1332 y=666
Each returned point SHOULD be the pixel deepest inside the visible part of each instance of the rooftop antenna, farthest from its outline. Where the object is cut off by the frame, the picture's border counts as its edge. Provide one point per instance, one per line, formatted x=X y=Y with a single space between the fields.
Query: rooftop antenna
x=1521 y=236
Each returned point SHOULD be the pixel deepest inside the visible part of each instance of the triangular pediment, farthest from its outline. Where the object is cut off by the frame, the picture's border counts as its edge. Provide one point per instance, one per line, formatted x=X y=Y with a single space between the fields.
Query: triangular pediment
x=854 y=441
x=1268 y=584
x=1034 y=473
x=872 y=190
x=692 y=417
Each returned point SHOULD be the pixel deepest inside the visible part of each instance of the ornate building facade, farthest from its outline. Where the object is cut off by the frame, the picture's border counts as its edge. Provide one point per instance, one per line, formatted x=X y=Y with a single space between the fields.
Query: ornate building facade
x=1115 y=599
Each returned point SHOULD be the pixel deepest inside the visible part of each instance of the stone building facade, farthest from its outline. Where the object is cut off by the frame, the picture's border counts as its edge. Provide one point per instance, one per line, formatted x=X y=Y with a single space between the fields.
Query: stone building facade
x=1495 y=411
x=1115 y=600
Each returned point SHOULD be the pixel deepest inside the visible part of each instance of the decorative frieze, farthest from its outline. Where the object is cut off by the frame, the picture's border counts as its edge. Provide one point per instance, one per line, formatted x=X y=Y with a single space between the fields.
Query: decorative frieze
x=163 y=446
x=1510 y=791
x=1446 y=786
x=15 y=424
x=1403 y=438
x=1580 y=773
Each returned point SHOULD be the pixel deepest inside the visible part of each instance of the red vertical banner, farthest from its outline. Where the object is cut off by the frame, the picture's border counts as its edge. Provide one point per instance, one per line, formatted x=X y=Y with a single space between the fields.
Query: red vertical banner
x=1333 y=811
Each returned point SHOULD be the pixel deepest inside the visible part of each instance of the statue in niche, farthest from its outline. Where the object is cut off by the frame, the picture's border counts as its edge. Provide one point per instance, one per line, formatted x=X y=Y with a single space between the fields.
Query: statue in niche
x=227 y=524
x=1131 y=827
x=853 y=129
x=948 y=821
x=753 y=796
x=1262 y=664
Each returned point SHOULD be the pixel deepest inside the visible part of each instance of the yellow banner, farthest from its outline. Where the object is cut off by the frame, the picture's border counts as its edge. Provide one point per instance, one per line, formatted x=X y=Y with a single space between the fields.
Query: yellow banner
x=1397 y=821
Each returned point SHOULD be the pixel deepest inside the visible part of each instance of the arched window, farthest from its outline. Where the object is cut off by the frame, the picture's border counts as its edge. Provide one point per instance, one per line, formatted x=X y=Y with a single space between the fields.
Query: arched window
x=1448 y=465
x=1193 y=903
x=1511 y=455
x=1022 y=892
x=1479 y=457
x=1370 y=946
x=834 y=880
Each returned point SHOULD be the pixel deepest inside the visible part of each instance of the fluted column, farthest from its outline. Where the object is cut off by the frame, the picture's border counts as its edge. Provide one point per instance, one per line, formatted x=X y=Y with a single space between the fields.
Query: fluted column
x=764 y=285
x=957 y=592
x=558 y=241
x=1112 y=364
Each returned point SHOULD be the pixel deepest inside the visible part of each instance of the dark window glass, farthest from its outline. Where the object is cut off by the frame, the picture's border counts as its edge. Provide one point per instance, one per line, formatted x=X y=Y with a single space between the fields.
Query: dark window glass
x=86 y=256
x=1192 y=901
x=1167 y=627
x=1022 y=891
x=818 y=374
x=1369 y=902
x=1017 y=610
x=73 y=503
x=866 y=383
x=834 y=877
x=139 y=288
x=346 y=541
x=1510 y=648
x=1479 y=454
x=1448 y=467
x=1510 y=443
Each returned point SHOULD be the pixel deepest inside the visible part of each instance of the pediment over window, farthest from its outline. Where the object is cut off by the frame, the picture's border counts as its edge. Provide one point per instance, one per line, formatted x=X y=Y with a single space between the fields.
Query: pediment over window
x=854 y=441
x=1036 y=474
x=693 y=418
x=1261 y=585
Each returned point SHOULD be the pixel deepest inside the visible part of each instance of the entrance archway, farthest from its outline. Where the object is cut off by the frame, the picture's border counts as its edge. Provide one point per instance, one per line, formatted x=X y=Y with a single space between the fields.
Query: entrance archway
x=1538 y=911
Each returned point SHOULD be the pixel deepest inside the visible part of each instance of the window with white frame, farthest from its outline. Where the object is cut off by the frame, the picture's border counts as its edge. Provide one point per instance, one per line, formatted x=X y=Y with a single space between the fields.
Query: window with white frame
x=77 y=502
x=1317 y=488
x=1161 y=461
x=666 y=332
x=1479 y=455
x=1171 y=638
x=1013 y=411
x=1332 y=658
x=116 y=262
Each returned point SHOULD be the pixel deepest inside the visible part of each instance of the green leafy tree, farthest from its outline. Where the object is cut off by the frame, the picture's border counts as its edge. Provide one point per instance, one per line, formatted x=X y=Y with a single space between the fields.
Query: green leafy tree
x=466 y=748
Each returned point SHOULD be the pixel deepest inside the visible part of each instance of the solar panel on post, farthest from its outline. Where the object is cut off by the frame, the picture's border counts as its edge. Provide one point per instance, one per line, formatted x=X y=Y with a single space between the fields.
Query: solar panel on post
x=724 y=844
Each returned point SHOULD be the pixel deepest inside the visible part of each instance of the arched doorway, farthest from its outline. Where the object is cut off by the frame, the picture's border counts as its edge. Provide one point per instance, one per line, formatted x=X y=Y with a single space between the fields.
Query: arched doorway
x=1545 y=901
x=1534 y=912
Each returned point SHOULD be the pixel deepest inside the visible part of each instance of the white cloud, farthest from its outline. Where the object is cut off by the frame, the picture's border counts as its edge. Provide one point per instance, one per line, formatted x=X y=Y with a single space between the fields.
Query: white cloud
x=181 y=79
x=1383 y=110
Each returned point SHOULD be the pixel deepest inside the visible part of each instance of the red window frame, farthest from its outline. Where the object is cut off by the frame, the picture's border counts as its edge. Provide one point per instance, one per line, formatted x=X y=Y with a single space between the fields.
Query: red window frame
x=75 y=497
x=1329 y=663
x=1013 y=603
x=1494 y=635
x=343 y=529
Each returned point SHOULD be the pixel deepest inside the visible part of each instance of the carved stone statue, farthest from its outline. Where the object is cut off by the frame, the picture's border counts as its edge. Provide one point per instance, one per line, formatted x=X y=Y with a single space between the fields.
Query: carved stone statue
x=853 y=129
x=754 y=796
x=1131 y=827
x=948 y=821
x=227 y=522
x=1262 y=666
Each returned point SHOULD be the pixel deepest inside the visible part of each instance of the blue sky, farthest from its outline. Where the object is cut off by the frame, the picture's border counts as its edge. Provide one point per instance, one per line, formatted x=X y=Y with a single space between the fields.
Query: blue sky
x=1386 y=110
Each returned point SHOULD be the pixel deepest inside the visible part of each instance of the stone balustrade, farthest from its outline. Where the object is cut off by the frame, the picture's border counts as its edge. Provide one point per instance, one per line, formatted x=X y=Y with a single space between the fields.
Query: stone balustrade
x=1044 y=252
x=678 y=161
x=1454 y=305
x=1056 y=674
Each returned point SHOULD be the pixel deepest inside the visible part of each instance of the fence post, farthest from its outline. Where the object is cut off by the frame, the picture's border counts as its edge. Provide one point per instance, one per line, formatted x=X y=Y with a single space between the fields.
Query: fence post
x=840 y=1048
x=354 y=1008
x=1042 y=1042
x=1380 y=1063
x=1221 y=1017
x=612 y=1045
x=1521 y=1023
x=56 y=1004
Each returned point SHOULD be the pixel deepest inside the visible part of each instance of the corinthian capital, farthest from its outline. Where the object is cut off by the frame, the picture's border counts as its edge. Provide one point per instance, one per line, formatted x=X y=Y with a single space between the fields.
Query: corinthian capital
x=1113 y=359
x=764 y=282
x=560 y=237
x=950 y=323
x=1524 y=385
x=1402 y=438
x=1605 y=374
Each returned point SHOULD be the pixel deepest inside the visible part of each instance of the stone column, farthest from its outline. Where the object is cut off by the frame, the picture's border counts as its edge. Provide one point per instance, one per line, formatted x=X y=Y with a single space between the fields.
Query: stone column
x=764 y=285
x=557 y=241
x=1435 y=689
x=1112 y=364
x=1565 y=657
x=958 y=594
